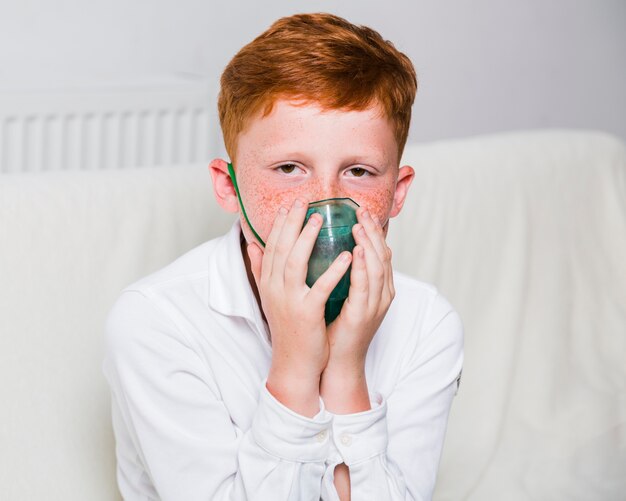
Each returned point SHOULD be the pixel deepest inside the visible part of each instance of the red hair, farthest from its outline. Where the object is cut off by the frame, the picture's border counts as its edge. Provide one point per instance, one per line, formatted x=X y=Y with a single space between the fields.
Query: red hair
x=319 y=58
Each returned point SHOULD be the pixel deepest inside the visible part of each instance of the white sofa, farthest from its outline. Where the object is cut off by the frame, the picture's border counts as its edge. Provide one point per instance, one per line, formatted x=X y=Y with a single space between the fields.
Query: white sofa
x=524 y=232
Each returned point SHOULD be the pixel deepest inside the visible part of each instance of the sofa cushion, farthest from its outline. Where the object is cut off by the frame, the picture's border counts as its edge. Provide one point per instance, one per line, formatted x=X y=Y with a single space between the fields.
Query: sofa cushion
x=525 y=233
x=70 y=241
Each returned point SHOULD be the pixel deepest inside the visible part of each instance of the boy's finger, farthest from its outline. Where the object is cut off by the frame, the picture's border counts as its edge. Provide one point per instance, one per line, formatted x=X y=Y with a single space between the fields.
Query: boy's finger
x=296 y=265
x=374 y=232
x=386 y=259
x=325 y=284
x=373 y=264
x=270 y=244
x=291 y=229
x=359 y=287
x=391 y=291
x=256 y=258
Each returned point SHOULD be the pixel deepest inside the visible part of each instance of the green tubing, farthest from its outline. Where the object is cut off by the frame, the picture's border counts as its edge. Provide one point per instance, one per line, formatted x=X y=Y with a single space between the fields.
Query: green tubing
x=231 y=171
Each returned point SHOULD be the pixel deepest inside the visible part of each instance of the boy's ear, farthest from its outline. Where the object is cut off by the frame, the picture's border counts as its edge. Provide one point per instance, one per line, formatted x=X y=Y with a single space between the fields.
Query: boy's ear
x=405 y=178
x=223 y=187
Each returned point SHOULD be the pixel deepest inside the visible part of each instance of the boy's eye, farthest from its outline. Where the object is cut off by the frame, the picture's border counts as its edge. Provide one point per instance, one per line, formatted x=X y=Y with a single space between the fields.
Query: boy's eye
x=358 y=172
x=287 y=168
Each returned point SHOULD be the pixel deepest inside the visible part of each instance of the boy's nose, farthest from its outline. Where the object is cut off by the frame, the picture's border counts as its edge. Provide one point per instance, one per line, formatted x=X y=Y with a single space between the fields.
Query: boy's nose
x=327 y=190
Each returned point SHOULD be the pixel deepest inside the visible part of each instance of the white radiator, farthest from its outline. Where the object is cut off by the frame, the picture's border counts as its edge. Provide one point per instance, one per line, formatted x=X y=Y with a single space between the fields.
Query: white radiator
x=100 y=127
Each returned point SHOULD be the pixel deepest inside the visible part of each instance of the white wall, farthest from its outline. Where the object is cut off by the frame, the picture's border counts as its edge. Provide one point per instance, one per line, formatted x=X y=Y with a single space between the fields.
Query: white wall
x=484 y=66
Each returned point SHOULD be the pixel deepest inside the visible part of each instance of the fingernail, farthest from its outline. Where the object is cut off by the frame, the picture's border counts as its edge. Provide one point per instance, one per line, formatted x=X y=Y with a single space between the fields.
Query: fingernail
x=366 y=214
x=361 y=231
x=282 y=211
x=314 y=220
x=298 y=203
x=345 y=256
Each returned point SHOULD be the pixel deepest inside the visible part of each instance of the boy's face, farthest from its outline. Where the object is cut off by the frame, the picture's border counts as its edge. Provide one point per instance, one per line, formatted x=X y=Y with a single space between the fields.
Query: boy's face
x=302 y=151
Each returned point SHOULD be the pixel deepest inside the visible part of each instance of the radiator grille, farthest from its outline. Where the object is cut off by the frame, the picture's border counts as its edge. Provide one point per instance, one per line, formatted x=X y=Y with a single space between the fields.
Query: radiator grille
x=106 y=129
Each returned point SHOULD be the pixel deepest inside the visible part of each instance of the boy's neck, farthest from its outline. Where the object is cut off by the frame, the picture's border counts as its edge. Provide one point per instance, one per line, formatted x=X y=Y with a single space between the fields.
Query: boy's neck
x=246 y=260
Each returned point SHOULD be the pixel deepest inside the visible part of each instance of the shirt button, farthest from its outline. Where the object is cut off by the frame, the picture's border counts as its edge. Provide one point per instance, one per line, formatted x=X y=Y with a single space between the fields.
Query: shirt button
x=321 y=436
x=346 y=439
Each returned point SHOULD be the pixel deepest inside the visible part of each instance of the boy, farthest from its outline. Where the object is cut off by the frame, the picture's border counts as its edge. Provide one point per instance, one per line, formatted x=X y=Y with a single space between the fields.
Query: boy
x=227 y=383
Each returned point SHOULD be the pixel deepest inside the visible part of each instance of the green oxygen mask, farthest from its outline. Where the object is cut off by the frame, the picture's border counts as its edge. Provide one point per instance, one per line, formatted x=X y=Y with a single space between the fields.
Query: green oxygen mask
x=335 y=236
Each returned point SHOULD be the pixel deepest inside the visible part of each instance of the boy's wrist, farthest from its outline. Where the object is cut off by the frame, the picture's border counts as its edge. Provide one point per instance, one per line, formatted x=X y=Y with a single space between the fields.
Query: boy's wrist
x=298 y=393
x=344 y=389
x=349 y=369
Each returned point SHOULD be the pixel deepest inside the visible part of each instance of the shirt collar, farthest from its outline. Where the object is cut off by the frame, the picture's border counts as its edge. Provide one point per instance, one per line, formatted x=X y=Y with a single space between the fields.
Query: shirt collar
x=230 y=292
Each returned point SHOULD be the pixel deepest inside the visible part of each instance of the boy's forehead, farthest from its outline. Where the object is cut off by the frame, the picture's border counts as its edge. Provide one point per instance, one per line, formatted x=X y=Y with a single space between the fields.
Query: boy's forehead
x=307 y=123
x=303 y=107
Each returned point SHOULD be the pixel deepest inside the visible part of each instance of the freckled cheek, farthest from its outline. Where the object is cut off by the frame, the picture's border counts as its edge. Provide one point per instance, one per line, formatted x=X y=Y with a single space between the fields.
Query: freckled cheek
x=262 y=204
x=378 y=202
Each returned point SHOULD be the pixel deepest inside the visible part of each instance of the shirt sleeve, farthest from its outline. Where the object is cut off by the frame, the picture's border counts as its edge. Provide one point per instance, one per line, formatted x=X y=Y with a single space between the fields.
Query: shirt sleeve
x=174 y=436
x=393 y=450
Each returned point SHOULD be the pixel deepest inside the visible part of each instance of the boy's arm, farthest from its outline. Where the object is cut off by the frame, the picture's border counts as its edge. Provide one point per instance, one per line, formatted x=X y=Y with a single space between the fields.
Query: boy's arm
x=418 y=406
x=393 y=450
x=343 y=385
x=175 y=437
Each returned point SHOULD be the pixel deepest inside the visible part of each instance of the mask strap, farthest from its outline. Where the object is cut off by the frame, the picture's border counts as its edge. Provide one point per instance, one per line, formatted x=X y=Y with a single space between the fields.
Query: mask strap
x=231 y=172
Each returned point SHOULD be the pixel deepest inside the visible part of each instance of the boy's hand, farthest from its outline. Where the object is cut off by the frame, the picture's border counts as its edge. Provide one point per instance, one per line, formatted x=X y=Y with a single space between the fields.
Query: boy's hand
x=343 y=385
x=295 y=312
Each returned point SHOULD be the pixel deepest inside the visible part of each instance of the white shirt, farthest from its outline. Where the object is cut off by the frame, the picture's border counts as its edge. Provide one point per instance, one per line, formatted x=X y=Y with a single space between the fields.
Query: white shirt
x=187 y=357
